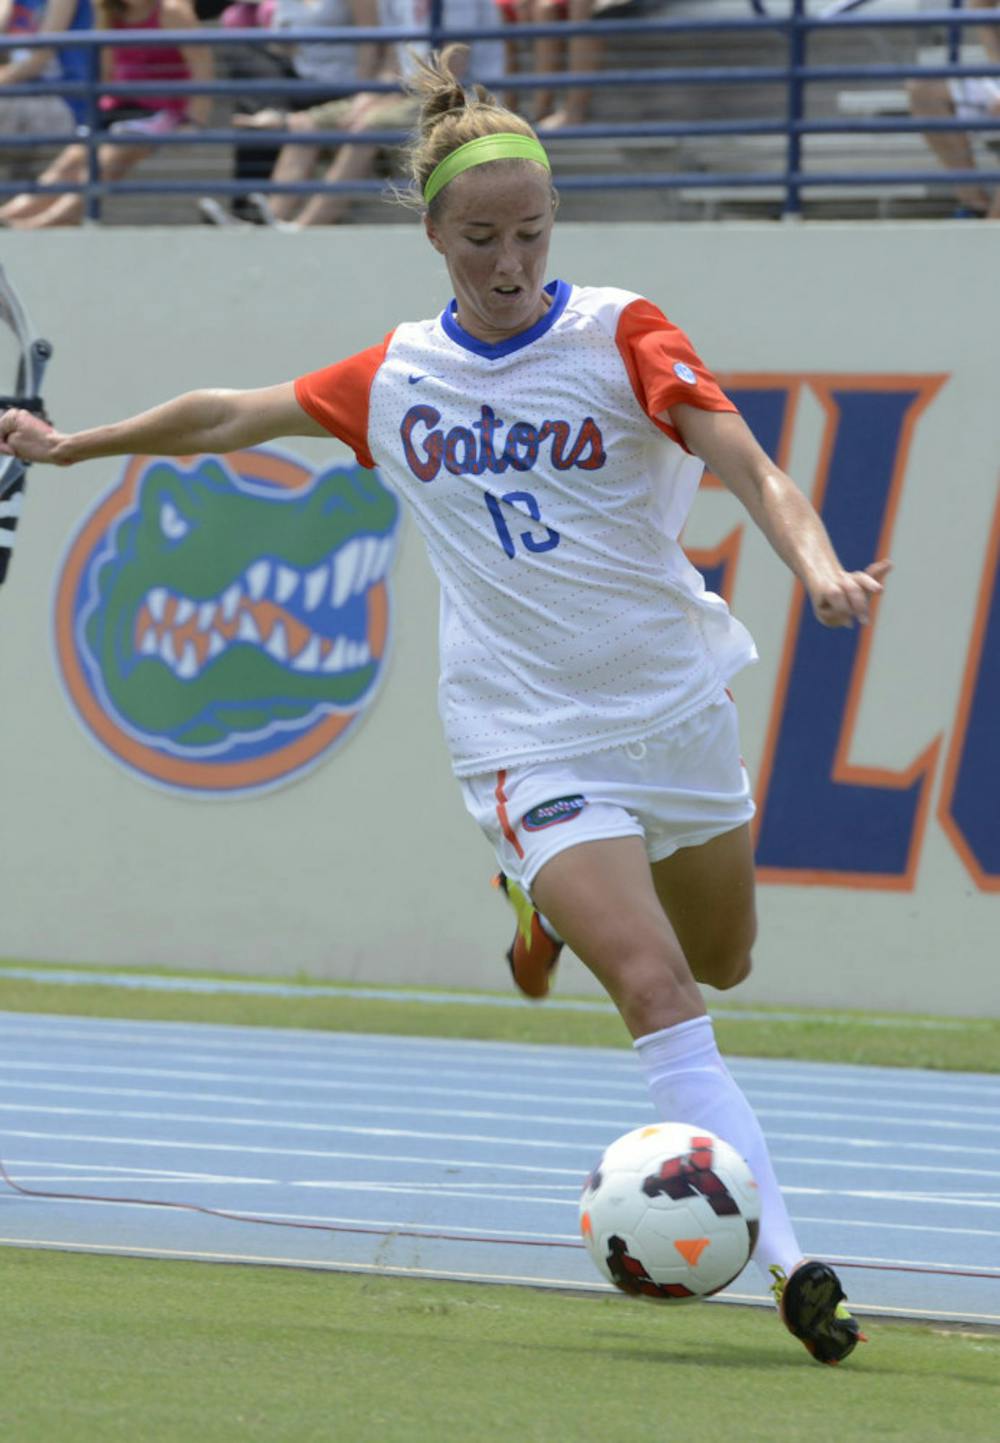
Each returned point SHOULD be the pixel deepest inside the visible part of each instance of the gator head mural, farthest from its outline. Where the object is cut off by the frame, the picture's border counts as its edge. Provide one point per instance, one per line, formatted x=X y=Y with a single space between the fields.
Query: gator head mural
x=221 y=623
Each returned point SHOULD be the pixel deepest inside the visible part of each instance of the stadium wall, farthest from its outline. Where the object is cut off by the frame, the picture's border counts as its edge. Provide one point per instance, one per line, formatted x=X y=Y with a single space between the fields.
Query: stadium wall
x=236 y=835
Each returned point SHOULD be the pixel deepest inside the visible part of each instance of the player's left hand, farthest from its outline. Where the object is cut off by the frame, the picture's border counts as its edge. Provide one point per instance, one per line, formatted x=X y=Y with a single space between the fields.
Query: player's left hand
x=845 y=599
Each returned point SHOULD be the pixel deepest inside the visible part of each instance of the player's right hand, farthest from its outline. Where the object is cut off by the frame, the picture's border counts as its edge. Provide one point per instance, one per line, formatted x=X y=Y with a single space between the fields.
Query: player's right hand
x=27 y=437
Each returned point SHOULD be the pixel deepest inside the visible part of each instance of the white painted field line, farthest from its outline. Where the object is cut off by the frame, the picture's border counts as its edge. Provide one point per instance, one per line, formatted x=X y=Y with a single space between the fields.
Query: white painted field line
x=291 y=1261
x=379 y=1269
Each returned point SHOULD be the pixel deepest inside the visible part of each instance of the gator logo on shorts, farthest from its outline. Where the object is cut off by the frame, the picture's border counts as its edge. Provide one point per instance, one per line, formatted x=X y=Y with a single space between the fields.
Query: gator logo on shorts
x=548 y=814
x=220 y=623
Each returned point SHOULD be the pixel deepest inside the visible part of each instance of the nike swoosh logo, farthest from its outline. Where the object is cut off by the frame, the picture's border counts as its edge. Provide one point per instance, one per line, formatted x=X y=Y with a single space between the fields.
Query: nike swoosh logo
x=414 y=379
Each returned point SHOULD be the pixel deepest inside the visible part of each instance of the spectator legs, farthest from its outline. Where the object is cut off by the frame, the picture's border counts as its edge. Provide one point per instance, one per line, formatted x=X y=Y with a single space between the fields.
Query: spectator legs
x=932 y=99
x=294 y=163
x=584 y=53
x=353 y=162
x=40 y=212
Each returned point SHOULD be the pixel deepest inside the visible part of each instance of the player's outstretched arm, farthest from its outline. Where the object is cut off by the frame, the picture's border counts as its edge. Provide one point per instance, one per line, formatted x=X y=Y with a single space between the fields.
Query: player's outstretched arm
x=199 y=422
x=724 y=441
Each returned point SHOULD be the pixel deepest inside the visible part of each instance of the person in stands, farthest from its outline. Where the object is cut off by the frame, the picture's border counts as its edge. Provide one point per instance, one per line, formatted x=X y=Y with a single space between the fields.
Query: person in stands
x=45 y=113
x=136 y=117
x=550 y=54
x=375 y=110
x=966 y=98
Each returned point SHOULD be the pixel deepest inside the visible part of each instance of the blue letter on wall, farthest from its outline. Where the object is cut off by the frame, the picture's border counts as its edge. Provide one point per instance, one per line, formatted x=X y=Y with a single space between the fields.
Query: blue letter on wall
x=970 y=796
x=820 y=819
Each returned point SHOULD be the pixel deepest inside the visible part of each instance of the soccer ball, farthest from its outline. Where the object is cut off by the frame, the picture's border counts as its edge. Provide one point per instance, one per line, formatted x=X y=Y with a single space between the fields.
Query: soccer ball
x=670 y=1212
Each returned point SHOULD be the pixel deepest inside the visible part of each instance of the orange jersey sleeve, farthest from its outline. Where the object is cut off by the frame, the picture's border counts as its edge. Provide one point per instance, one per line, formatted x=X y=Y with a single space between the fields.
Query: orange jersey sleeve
x=337 y=397
x=663 y=366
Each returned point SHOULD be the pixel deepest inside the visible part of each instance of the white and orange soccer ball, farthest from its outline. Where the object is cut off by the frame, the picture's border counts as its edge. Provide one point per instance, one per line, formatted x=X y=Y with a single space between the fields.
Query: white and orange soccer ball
x=670 y=1213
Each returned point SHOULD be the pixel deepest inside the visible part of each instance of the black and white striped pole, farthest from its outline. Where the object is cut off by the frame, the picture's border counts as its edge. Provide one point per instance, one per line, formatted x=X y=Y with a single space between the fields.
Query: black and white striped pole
x=32 y=358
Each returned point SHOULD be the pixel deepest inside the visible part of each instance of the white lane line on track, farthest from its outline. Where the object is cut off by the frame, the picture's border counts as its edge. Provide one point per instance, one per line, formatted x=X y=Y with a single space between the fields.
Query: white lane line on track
x=67 y=1181
x=590 y=1149
x=301 y=1044
x=575 y=1100
x=492 y=1192
x=315 y=1152
x=289 y=1039
x=626 y=1082
x=409 y=1190
x=330 y=1050
x=937 y=1265
x=830 y=1164
x=562 y=1088
x=945 y=1200
x=390 y=1226
x=366 y=1108
x=70 y=1172
x=826 y=1162
x=803 y=1219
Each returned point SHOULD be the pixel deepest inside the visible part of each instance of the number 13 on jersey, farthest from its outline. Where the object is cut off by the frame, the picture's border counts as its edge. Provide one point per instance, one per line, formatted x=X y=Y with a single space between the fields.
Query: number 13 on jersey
x=526 y=501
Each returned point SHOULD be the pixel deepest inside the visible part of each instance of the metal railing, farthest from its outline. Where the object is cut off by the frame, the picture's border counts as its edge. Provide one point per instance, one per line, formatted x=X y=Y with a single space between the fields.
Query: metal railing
x=796 y=75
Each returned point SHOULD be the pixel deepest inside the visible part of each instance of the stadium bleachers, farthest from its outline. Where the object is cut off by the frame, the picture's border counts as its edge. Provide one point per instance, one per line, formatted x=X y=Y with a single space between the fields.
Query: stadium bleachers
x=728 y=156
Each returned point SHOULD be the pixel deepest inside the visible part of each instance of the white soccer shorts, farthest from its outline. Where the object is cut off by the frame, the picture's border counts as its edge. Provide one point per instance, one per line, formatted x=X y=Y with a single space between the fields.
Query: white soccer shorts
x=676 y=789
x=975 y=97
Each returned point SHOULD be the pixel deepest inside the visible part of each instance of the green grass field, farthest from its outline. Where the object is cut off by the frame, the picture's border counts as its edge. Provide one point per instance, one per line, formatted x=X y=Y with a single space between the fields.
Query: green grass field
x=100 y=1349
x=113 y=1350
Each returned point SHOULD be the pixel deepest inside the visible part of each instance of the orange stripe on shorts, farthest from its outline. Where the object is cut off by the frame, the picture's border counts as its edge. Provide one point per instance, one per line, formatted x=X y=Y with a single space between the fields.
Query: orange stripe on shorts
x=502 y=816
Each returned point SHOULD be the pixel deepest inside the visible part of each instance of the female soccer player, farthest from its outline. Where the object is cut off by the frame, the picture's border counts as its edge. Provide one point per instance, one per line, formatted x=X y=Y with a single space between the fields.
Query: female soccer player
x=550 y=439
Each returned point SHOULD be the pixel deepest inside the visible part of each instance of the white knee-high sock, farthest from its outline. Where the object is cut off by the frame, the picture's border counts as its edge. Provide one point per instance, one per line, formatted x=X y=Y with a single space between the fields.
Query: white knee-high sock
x=689 y=1082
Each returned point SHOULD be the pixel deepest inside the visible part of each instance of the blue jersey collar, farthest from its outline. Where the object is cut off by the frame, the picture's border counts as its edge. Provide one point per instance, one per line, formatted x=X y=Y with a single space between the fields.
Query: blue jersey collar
x=558 y=290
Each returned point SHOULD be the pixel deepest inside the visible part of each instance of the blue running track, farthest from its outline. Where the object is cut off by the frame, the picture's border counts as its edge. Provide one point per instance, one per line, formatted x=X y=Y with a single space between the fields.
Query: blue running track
x=892 y=1176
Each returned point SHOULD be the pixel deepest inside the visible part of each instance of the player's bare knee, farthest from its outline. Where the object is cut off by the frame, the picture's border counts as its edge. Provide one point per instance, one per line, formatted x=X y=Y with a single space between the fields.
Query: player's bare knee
x=653 y=988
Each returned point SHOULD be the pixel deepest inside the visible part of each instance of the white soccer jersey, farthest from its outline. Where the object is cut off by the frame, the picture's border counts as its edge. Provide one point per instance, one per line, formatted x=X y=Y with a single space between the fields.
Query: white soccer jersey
x=551 y=499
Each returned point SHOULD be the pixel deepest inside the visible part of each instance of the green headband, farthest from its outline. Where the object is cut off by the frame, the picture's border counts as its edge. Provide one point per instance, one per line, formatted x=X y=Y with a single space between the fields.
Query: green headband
x=507 y=145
